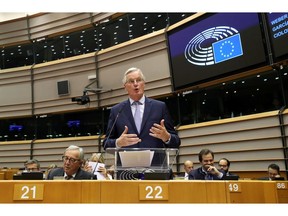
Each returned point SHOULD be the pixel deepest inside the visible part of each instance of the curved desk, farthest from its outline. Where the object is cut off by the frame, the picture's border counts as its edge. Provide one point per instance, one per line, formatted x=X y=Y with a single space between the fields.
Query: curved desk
x=121 y=191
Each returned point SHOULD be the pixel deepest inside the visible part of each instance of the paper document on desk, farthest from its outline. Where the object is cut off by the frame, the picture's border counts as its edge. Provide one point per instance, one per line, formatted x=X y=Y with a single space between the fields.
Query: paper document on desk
x=99 y=175
x=136 y=158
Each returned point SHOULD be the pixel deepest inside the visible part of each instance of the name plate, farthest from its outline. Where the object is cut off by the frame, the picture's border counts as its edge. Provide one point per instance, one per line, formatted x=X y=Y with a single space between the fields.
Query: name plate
x=234 y=187
x=28 y=192
x=281 y=185
x=153 y=192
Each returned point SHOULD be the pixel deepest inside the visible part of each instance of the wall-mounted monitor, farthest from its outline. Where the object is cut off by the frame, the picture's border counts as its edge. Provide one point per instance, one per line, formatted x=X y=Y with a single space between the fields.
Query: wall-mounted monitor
x=213 y=45
x=278 y=31
x=73 y=123
x=15 y=128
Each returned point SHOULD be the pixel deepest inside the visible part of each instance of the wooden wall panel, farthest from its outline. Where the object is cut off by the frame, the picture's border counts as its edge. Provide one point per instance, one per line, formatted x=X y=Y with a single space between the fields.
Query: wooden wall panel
x=14 y=153
x=250 y=142
x=76 y=70
x=54 y=23
x=149 y=53
x=14 y=32
x=15 y=92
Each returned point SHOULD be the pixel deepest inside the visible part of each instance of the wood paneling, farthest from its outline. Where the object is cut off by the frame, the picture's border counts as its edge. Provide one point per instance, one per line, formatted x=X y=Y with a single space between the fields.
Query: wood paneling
x=61 y=191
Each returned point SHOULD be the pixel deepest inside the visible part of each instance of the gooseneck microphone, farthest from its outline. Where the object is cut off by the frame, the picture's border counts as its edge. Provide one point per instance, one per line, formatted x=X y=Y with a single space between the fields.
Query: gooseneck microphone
x=112 y=127
x=108 y=137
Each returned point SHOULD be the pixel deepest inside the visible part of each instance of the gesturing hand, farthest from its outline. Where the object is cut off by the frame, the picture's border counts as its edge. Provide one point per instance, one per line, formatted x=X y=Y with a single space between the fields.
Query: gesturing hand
x=127 y=139
x=159 y=131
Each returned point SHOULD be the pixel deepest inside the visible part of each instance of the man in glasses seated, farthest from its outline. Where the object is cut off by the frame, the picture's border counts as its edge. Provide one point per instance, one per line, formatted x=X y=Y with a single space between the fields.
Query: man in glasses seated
x=72 y=166
x=32 y=165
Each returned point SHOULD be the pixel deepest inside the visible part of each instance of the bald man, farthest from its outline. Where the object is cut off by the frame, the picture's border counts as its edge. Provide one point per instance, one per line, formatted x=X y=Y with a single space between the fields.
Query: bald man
x=188 y=166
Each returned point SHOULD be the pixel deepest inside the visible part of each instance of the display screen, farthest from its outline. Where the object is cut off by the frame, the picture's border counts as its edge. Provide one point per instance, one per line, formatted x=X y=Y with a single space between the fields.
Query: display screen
x=73 y=123
x=15 y=128
x=213 y=45
x=278 y=29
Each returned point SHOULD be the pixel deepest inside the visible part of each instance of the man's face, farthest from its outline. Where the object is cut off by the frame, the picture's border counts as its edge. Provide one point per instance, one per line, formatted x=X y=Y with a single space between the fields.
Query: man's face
x=32 y=167
x=71 y=162
x=207 y=161
x=272 y=173
x=188 y=167
x=223 y=165
x=134 y=85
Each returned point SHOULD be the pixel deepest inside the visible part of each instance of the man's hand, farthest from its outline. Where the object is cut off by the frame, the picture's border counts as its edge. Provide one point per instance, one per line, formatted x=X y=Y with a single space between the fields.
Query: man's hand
x=159 y=131
x=127 y=139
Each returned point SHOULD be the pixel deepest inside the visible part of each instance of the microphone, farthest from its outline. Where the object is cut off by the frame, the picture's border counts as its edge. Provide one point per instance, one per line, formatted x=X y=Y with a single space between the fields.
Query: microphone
x=108 y=137
x=112 y=127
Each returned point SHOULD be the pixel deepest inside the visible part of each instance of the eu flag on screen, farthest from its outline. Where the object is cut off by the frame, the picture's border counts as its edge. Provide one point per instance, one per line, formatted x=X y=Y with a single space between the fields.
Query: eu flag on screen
x=227 y=48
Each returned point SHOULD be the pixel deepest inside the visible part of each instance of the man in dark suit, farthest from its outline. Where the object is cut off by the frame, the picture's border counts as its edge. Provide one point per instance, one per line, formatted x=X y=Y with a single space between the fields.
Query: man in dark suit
x=224 y=165
x=188 y=166
x=207 y=171
x=273 y=173
x=72 y=162
x=141 y=122
x=157 y=129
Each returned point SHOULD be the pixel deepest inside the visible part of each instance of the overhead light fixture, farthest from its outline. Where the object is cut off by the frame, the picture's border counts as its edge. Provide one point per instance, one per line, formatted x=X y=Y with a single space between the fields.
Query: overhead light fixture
x=104 y=21
x=40 y=39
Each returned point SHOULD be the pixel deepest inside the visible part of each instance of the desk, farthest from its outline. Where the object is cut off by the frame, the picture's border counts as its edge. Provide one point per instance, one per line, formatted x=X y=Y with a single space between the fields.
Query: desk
x=121 y=191
x=55 y=191
x=250 y=191
x=178 y=191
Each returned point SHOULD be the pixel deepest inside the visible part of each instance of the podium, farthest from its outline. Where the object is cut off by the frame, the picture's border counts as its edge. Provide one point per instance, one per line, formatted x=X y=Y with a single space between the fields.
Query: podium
x=142 y=163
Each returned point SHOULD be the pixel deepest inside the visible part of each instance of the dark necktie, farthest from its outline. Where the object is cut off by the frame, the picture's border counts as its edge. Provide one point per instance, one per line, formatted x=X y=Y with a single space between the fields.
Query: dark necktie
x=137 y=115
x=69 y=177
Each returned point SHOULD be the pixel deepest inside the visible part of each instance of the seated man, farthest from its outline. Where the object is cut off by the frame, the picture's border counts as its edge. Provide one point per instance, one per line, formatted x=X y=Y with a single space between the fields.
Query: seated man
x=224 y=165
x=188 y=166
x=207 y=171
x=31 y=171
x=273 y=173
x=72 y=166
x=32 y=165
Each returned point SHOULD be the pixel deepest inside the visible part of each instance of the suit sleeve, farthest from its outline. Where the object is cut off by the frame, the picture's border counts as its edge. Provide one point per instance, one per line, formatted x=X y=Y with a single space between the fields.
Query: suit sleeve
x=175 y=141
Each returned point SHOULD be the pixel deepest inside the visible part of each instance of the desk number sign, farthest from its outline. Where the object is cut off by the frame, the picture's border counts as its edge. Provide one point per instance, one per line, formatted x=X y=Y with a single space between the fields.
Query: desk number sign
x=29 y=192
x=153 y=192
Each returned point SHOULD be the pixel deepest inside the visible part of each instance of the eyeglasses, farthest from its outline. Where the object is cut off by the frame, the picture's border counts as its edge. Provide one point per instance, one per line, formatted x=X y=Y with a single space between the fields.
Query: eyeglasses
x=132 y=81
x=32 y=169
x=72 y=160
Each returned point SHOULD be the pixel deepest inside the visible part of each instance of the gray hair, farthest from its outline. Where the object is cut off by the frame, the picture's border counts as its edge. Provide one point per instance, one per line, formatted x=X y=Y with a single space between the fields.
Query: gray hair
x=130 y=70
x=74 y=147
x=32 y=161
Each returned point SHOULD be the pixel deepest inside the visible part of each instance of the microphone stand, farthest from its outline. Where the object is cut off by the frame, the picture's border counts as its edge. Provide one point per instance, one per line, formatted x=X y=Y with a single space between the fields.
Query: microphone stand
x=108 y=137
